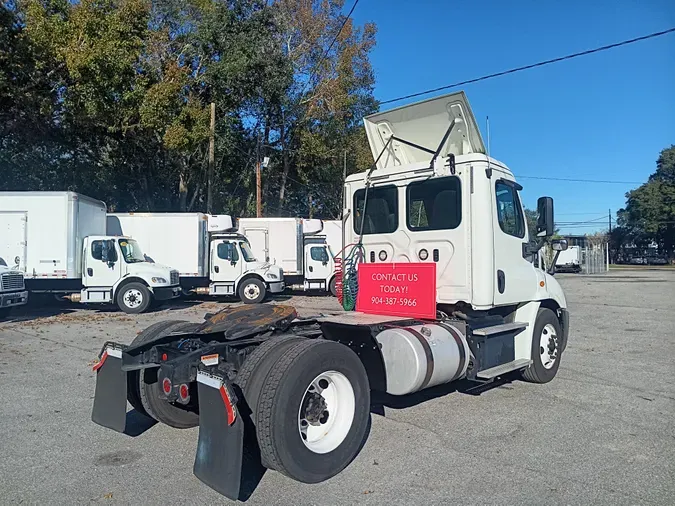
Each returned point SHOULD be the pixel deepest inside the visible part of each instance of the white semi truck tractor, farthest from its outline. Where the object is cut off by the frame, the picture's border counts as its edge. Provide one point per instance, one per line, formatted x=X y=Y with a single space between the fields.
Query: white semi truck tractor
x=65 y=251
x=294 y=393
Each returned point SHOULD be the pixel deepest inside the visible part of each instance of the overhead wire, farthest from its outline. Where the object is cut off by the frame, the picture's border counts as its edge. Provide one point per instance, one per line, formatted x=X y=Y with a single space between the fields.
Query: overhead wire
x=534 y=65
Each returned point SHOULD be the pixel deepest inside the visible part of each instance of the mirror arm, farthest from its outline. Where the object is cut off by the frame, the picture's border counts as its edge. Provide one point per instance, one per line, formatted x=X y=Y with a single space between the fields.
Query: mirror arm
x=551 y=269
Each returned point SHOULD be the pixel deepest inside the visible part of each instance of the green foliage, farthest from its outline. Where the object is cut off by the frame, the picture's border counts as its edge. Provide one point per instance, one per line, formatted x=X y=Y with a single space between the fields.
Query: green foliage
x=112 y=98
x=649 y=215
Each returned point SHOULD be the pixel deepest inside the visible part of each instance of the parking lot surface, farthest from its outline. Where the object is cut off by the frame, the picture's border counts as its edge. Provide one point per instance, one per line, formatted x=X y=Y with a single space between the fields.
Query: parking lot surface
x=602 y=432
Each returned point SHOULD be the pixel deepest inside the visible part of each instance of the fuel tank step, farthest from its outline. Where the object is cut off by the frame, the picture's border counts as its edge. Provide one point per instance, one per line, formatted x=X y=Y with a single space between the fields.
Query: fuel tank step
x=500 y=329
x=501 y=369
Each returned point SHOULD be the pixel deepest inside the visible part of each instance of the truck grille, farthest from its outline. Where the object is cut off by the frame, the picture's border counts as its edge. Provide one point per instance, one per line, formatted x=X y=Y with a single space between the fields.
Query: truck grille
x=174 y=277
x=12 y=282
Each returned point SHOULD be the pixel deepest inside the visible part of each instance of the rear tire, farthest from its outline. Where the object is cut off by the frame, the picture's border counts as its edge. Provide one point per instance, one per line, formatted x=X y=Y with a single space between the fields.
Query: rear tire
x=252 y=291
x=333 y=287
x=546 y=350
x=134 y=298
x=149 y=389
x=319 y=387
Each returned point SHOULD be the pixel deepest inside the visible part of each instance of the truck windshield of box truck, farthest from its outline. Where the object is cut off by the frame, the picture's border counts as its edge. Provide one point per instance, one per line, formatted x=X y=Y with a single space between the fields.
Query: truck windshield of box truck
x=131 y=251
x=246 y=251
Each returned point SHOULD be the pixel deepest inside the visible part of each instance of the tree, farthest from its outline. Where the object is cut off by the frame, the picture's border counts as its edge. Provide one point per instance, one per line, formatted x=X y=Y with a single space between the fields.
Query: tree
x=649 y=214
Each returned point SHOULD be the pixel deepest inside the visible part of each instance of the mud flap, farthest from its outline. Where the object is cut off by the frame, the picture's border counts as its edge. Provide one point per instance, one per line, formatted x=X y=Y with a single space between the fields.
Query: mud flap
x=218 y=462
x=110 y=399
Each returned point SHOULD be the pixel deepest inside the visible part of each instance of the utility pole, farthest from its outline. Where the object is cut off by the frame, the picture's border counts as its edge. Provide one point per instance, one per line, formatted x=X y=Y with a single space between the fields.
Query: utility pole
x=258 y=181
x=212 y=160
x=258 y=190
x=609 y=217
x=609 y=237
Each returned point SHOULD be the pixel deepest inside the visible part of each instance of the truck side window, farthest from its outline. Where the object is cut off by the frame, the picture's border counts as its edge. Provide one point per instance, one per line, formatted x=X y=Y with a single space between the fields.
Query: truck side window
x=103 y=251
x=509 y=211
x=381 y=210
x=434 y=204
x=228 y=251
x=318 y=253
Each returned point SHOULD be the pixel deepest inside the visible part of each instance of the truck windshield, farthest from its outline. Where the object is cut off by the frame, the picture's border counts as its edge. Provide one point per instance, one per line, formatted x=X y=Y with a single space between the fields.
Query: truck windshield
x=131 y=251
x=246 y=252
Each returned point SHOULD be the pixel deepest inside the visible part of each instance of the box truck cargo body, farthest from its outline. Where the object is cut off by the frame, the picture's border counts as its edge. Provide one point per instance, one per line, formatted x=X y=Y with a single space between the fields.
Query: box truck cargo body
x=211 y=257
x=65 y=249
x=295 y=245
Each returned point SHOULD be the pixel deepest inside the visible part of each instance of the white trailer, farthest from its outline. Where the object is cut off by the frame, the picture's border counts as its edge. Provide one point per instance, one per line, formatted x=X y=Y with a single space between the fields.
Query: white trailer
x=296 y=392
x=569 y=260
x=211 y=257
x=58 y=240
x=295 y=245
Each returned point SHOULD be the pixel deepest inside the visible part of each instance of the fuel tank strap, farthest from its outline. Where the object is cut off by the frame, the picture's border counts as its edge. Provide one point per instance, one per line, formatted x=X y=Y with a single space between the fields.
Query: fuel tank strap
x=460 y=347
x=429 y=355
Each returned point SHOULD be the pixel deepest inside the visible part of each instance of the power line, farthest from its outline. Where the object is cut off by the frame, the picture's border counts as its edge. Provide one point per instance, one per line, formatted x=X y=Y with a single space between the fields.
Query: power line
x=330 y=46
x=561 y=223
x=604 y=181
x=533 y=65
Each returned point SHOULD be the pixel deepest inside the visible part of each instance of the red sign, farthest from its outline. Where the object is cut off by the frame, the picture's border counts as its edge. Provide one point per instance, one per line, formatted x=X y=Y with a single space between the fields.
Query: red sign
x=398 y=289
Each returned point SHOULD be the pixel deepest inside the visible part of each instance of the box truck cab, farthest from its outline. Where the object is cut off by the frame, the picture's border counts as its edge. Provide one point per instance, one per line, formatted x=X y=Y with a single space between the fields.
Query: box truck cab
x=12 y=289
x=211 y=257
x=297 y=246
x=65 y=251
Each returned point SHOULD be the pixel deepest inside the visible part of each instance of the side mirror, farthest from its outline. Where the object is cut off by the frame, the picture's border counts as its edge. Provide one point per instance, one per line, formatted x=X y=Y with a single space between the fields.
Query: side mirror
x=545 y=222
x=559 y=245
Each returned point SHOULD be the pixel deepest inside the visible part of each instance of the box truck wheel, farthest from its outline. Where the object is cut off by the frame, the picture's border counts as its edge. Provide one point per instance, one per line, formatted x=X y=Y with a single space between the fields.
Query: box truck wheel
x=545 y=348
x=134 y=298
x=333 y=287
x=149 y=388
x=313 y=411
x=252 y=291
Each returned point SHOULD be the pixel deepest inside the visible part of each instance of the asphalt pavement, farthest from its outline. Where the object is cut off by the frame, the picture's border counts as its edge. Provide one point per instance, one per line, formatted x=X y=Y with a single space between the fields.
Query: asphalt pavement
x=602 y=432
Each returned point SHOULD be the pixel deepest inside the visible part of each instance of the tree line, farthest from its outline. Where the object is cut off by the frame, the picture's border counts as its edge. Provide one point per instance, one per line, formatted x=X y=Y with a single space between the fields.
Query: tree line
x=649 y=215
x=112 y=98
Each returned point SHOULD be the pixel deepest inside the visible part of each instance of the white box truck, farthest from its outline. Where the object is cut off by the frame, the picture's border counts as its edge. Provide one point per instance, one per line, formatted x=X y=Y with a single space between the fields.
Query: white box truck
x=295 y=393
x=297 y=246
x=332 y=229
x=13 y=292
x=66 y=251
x=569 y=260
x=211 y=257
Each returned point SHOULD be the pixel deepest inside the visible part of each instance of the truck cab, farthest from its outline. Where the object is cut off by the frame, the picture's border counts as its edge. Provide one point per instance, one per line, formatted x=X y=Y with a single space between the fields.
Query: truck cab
x=235 y=270
x=12 y=289
x=114 y=269
x=434 y=195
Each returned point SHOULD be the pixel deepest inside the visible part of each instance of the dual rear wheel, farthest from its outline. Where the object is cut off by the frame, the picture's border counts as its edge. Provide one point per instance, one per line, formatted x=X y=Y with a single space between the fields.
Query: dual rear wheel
x=310 y=404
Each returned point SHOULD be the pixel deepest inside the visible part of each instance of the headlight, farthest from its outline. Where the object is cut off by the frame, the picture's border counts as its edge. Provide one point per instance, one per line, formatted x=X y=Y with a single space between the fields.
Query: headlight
x=159 y=280
x=272 y=275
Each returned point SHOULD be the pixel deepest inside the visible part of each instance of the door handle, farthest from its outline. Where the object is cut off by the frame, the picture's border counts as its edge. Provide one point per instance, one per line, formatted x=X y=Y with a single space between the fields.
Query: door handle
x=501 y=281
x=90 y=271
x=216 y=268
x=311 y=269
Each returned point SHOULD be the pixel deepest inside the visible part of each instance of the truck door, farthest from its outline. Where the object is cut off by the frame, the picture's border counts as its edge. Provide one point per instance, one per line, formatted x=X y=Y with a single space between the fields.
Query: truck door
x=226 y=263
x=13 y=239
x=102 y=263
x=515 y=276
x=317 y=262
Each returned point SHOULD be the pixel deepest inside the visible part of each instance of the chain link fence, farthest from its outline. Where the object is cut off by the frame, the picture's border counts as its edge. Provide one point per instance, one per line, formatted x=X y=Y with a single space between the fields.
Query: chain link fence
x=594 y=260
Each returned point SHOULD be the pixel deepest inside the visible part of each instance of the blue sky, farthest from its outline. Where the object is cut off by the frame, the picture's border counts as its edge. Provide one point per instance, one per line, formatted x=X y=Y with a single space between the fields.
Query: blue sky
x=603 y=116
